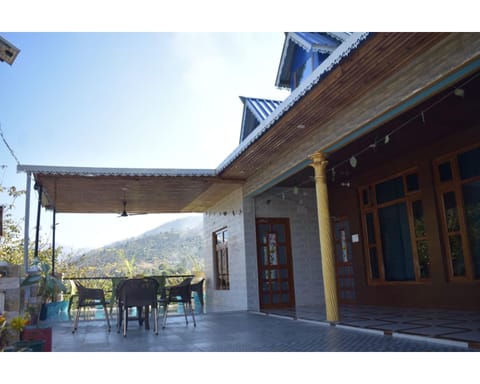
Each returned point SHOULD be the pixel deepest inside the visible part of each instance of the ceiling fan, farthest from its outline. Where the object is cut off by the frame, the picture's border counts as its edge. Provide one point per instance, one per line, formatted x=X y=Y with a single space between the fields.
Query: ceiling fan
x=124 y=212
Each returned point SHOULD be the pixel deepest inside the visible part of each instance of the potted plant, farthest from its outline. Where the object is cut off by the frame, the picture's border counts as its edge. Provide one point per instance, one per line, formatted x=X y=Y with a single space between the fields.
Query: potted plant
x=48 y=289
x=49 y=286
x=11 y=335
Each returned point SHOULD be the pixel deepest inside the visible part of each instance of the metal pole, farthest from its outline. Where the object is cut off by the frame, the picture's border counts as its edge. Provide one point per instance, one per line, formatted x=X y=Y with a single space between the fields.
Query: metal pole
x=53 y=241
x=39 y=209
x=27 y=223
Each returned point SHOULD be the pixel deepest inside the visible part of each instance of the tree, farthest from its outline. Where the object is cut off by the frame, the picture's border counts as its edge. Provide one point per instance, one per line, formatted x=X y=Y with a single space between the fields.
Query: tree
x=11 y=244
x=12 y=241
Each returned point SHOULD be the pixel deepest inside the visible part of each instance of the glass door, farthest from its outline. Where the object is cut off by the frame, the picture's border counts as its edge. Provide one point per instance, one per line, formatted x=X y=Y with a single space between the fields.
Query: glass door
x=275 y=273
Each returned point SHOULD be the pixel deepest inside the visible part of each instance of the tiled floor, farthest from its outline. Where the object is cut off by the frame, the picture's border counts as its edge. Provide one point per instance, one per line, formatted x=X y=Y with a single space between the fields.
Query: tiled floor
x=237 y=332
x=462 y=326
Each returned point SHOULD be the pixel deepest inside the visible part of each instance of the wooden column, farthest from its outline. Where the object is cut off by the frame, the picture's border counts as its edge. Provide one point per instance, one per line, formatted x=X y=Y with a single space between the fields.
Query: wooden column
x=326 y=244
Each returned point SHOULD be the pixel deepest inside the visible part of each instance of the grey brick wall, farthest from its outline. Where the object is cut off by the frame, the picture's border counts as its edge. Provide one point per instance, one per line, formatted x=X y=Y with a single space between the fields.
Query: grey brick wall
x=227 y=213
x=301 y=209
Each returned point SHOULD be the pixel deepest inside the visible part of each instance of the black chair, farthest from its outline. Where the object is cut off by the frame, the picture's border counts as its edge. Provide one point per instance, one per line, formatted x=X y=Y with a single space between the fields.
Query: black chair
x=89 y=297
x=198 y=288
x=139 y=293
x=178 y=294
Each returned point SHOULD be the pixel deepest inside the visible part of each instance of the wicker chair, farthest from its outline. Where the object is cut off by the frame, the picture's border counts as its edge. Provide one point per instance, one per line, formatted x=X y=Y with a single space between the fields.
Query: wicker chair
x=89 y=297
x=178 y=294
x=198 y=288
x=139 y=293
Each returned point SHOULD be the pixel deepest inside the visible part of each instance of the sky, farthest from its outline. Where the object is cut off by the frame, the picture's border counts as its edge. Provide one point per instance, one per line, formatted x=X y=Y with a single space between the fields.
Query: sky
x=128 y=100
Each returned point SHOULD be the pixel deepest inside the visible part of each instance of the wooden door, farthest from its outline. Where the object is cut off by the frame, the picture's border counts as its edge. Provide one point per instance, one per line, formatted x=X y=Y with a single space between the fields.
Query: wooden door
x=274 y=255
x=343 y=262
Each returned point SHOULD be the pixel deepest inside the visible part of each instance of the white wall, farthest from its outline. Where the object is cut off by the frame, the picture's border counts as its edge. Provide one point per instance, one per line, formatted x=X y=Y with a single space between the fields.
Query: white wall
x=243 y=294
x=227 y=213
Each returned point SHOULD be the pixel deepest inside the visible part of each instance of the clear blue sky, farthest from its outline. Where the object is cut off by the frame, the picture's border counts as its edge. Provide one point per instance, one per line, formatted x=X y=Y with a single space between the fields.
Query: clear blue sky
x=148 y=100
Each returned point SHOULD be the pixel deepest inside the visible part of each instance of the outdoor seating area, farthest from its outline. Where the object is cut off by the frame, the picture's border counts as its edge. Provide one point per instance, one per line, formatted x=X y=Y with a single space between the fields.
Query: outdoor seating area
x=142 y=299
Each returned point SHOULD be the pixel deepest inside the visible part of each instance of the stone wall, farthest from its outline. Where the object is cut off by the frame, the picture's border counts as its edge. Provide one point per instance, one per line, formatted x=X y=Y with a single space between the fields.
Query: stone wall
x=9 y=289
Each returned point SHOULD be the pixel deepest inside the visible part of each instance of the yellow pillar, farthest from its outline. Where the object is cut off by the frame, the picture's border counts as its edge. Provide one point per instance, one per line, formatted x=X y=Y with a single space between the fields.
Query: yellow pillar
x=326 y=244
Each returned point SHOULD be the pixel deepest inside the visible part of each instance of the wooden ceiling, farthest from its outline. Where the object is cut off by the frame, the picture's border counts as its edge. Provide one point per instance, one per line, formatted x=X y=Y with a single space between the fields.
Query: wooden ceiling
x=366 y=67
x=82 y=193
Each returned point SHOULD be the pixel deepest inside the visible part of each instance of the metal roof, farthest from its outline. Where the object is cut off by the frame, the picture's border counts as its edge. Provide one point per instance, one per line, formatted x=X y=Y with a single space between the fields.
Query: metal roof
x=254 y=112
x=261 y=108
x=323 y=42
x=128 y=172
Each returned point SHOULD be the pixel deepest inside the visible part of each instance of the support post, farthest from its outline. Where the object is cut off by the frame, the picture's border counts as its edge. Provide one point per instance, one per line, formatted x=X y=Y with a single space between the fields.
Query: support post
x=326 y=243
x=27 y=223
x=39 y=210
x=54 y=226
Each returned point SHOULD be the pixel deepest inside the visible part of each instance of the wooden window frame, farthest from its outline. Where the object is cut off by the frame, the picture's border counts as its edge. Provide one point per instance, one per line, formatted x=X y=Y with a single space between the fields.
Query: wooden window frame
x=221 y=261
x=454 y=185
x=372 y=207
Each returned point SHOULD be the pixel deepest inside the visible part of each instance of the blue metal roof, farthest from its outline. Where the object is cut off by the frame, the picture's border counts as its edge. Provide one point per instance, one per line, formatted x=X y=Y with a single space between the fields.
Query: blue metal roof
x=316 y=38
x=261 y=108
x=323 y=42
x=255 y=111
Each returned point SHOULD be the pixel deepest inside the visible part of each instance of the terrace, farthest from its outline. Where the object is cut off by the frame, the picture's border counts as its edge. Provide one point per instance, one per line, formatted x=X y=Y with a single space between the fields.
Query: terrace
x=362 y=328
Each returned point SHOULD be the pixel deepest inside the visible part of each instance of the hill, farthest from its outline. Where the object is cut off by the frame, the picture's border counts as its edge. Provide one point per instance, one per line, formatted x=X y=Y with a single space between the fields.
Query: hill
x=173 y=248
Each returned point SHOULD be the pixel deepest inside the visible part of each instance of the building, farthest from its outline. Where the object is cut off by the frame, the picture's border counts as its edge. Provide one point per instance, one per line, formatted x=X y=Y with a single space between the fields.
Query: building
x=362 y=187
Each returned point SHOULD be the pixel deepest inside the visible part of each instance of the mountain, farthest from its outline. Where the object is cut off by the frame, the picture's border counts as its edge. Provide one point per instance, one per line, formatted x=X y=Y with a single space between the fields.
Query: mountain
x=173 y=247
x=189 y=223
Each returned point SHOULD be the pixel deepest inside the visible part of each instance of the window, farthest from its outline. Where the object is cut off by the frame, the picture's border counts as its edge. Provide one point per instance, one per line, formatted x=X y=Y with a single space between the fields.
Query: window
x=458 y=187
x=220 y=240
x=302 y=71
x=395 y=238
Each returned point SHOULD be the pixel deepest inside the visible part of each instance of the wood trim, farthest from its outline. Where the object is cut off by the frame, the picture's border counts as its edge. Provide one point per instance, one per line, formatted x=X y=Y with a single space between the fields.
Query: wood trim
x=455 y=186
x=289 y=265
x=409 y=198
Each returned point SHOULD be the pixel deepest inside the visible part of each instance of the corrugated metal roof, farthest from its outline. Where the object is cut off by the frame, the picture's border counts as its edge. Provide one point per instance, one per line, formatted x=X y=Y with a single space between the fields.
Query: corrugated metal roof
x=261 y=108
x=90 y=171
x=323 y=42
x=315 y=40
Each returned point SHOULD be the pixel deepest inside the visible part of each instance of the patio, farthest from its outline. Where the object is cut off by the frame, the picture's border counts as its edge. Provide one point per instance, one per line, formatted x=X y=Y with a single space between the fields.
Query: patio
x=240 y=332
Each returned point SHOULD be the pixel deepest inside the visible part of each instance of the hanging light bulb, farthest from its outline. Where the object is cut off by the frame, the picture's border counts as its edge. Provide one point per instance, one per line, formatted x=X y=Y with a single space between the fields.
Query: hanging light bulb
x=387 y=139
x=459 y=92
x=295 y=190
x=353 y=161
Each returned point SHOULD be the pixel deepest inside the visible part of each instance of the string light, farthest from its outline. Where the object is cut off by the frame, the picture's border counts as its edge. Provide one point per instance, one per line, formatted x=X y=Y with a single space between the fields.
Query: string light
x=353 y=160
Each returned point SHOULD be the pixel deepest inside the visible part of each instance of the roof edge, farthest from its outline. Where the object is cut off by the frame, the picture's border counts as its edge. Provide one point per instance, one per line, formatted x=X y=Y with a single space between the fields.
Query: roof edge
x=93 y=171
x=323 y=69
